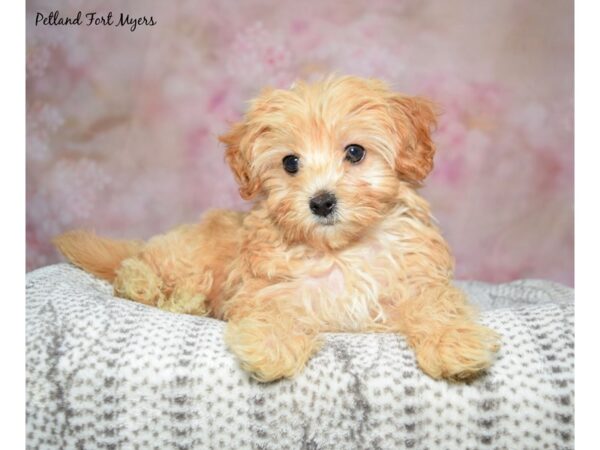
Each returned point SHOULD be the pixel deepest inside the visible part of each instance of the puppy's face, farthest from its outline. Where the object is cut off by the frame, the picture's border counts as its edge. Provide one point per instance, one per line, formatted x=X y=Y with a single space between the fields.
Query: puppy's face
x=329 y=158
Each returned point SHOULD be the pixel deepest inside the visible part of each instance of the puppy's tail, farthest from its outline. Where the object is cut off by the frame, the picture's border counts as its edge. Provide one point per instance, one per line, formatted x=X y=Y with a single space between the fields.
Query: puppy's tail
x=94 y=254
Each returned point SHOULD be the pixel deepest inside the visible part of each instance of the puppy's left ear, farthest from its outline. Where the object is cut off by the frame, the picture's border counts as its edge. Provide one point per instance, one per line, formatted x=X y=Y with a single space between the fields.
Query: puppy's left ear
x=414 y=118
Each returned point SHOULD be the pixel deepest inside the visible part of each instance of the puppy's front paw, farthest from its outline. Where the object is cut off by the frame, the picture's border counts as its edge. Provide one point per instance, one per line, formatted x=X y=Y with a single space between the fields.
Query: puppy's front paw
x=270 y=350
x=460 y=352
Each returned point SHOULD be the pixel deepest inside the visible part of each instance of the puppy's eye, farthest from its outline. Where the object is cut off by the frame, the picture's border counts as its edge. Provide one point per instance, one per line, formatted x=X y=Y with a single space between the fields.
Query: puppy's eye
x=355 y=153
x=290 y=163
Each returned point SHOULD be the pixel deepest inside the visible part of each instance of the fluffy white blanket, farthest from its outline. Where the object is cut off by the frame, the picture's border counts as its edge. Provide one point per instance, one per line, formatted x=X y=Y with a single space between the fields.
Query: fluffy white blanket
x=103 y=372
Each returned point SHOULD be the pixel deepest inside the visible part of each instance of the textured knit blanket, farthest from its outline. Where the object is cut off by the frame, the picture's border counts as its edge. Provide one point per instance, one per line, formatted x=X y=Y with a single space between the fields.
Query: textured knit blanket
x=104 y=372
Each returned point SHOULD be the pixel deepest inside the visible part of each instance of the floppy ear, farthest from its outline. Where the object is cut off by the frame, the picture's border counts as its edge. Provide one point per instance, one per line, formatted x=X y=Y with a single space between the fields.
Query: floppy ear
x=237 y=156
x=241 y=140
x=414 y=118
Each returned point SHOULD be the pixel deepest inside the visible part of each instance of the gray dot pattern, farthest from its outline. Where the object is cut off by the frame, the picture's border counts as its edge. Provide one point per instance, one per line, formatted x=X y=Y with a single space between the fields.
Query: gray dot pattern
x=107 y=373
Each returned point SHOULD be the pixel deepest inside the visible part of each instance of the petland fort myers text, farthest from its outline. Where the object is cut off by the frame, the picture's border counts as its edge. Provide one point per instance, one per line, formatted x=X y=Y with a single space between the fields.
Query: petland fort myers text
x=90 y=19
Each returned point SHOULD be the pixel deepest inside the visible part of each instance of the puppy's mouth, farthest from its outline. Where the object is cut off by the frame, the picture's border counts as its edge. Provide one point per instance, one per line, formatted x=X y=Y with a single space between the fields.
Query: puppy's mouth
x=328 y=221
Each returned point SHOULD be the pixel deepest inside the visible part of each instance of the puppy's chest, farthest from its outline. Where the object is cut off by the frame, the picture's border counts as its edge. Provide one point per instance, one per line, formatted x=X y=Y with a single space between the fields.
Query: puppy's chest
x=345 y=291
x=349 y=270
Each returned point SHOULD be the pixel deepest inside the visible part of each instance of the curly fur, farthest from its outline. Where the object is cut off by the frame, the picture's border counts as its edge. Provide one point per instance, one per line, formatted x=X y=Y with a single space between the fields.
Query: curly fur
x=280 y=276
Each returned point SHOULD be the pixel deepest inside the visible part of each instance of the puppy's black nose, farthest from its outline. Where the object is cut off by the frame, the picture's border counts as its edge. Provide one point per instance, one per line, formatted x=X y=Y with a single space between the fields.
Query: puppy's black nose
x=323 y=204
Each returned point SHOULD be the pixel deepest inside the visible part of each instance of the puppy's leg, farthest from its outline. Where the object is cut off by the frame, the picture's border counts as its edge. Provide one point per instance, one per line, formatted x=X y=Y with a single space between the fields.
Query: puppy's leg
x=189 y=295
x=140 y=281
x=267 y=337
x=441 y=327
x=166 y=273
x=184 y=270
x=137 y=281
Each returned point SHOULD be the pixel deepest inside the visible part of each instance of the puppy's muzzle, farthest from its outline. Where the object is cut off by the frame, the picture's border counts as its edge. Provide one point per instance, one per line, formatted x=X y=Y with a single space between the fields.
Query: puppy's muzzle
x=323 y=204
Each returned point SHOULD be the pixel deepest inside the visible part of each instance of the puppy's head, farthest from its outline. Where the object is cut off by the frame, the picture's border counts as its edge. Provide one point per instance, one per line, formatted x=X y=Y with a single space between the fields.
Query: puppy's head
x=329 y=158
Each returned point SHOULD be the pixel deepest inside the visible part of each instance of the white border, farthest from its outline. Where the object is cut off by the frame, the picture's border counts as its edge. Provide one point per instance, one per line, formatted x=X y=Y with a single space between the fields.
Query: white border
x=587 y=223
x=587 y=191
x=12 y=201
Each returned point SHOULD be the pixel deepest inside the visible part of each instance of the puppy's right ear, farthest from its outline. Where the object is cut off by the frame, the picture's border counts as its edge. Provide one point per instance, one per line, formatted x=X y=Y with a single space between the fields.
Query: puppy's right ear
x=237 y=156
x=246 y=139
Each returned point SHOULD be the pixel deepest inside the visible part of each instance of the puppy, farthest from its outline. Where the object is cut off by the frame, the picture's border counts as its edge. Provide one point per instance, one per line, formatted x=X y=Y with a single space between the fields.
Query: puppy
x=338 y=239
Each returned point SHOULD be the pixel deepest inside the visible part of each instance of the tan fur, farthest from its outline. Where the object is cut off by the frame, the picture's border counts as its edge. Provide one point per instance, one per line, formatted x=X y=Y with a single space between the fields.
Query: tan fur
x=281 y=276
x=97 y=255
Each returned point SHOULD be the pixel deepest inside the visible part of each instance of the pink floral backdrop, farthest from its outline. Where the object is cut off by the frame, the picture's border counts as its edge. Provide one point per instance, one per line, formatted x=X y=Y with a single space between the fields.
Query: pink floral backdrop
x=122 y=125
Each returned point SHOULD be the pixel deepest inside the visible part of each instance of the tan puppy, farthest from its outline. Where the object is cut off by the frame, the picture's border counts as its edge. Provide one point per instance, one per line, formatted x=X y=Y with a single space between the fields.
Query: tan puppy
x=338 y=238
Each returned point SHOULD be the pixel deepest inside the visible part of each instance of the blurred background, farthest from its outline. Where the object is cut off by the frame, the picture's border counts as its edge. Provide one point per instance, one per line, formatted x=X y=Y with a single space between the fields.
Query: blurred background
x=122 y=126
